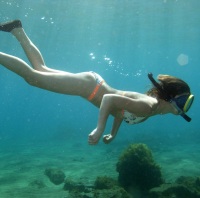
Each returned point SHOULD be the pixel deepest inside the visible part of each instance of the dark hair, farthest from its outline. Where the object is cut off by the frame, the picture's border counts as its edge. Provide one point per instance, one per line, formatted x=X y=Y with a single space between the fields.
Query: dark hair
x=171 y=85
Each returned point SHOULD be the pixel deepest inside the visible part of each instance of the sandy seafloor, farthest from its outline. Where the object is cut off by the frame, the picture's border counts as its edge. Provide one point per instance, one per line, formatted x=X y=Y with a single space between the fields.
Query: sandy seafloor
x=22 y=164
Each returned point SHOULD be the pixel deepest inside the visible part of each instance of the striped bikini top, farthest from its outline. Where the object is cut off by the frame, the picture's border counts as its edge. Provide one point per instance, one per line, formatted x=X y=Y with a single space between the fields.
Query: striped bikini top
x=130 y=118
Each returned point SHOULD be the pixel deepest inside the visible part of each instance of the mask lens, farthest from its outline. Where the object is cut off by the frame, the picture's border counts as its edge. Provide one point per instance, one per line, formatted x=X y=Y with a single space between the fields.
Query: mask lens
x=188 y=103
x=181 y=101
x=184 y=102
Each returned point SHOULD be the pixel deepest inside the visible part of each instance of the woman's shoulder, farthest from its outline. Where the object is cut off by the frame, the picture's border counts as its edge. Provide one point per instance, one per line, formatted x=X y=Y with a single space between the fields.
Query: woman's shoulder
x=144 y=104
x=136 y=95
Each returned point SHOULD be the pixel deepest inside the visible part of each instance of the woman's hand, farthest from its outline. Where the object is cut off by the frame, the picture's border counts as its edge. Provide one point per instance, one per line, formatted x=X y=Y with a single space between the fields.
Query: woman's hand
x=107 y=138
x=94 y=137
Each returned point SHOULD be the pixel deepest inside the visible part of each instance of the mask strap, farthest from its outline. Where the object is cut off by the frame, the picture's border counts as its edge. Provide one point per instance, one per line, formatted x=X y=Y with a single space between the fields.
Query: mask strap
x=158 y=86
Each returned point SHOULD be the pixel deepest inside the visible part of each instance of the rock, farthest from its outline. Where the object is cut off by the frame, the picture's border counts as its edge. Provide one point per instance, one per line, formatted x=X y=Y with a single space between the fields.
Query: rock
x=55 y=175
x=172 y=191
x=190 y=182
x=104 y=183
x=74 y=186
x=111 y=193
x=99 y=190
x=80 y=195
x=37 y=184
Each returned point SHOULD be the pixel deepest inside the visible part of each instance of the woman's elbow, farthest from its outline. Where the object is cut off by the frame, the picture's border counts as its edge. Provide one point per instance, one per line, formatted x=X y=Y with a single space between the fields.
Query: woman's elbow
x=111 y=100
x=107 y=97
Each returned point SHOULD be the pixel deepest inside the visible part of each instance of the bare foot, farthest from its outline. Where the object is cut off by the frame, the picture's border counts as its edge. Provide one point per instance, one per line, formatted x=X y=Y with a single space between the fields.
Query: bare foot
x=94 y=137
x=107 y=138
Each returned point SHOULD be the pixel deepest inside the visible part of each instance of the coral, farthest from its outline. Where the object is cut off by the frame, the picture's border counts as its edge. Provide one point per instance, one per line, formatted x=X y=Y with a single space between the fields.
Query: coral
x=55 y=175
x=136 y=168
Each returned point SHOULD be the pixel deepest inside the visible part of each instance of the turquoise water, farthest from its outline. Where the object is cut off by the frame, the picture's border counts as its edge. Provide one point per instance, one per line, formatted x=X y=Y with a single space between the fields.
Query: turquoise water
x=122 y=41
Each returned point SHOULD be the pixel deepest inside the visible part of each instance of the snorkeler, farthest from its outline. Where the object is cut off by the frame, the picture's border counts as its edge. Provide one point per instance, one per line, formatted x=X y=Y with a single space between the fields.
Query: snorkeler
x=169 y=95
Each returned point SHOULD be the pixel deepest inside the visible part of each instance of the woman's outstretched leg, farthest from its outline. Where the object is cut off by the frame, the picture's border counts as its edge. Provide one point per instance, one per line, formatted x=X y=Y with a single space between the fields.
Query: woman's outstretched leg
x=61 y=82
x=80 y=84
x=32 y=52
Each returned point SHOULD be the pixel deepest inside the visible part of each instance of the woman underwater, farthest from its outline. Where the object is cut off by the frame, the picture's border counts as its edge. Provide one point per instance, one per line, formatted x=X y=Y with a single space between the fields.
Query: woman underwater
x=169 y=95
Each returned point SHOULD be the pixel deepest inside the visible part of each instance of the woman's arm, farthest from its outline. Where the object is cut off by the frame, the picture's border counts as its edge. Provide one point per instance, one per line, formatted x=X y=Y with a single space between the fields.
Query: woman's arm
x=109 y=137
x=105 y=110
x=112 y=103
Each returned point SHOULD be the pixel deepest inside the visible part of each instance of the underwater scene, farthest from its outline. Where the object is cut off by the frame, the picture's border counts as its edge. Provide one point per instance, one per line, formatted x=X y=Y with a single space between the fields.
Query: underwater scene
x=44 y=150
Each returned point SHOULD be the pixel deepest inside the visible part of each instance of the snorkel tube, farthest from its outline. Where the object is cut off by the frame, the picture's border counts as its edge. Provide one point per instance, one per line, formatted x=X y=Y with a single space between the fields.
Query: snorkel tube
x=167 y=97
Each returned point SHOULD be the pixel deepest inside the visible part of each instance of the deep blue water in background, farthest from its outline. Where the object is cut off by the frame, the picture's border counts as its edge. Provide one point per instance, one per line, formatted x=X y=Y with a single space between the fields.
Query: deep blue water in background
x=121 y=40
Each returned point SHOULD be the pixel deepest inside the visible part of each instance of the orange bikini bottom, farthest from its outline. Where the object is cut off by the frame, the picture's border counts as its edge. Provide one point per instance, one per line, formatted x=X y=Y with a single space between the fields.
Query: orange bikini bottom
x=99 y=81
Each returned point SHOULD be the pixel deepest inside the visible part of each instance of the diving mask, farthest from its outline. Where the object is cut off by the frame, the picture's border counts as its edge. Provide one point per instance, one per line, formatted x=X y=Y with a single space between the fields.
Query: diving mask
x=184 y=102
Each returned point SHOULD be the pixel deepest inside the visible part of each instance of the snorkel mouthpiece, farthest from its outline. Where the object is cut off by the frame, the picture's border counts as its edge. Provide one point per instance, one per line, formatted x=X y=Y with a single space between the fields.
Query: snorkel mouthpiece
x=168 y=98
x=187 y=118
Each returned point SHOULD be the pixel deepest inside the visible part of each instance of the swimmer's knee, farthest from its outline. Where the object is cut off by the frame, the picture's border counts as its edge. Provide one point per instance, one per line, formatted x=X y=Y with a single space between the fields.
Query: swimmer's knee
x=43 y=68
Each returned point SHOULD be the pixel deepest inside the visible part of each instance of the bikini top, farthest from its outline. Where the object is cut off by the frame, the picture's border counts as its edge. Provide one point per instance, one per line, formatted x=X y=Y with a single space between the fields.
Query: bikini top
x=130 y=118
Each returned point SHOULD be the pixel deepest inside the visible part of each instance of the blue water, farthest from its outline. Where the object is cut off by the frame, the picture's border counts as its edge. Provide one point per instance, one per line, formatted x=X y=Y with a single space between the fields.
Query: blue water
x=122 y=41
